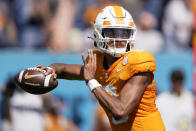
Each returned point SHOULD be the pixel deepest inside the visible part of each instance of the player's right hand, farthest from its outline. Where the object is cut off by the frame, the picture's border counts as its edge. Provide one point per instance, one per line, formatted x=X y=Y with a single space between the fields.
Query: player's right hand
x=90 y=66
x=49 y=70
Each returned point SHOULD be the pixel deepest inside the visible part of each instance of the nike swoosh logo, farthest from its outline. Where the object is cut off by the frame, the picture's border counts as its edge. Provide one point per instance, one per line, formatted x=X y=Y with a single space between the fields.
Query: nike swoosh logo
x=118 y=70
x=27 y=76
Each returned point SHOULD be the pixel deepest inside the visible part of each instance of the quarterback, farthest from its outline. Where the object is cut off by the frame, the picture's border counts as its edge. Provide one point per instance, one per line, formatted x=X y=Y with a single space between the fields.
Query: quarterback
x=120 y=77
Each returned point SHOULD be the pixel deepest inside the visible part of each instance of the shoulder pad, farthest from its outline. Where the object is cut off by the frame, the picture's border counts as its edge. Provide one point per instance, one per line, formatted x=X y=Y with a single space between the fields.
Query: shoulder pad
x=138 y=62
x=139 y=56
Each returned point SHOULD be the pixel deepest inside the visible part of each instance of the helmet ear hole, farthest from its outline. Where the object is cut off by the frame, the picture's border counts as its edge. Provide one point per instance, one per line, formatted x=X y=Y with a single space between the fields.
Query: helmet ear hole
x=105 y=46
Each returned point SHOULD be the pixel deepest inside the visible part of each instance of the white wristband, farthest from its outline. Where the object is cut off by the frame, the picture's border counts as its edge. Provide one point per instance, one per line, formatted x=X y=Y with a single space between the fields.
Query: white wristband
x=92 y=84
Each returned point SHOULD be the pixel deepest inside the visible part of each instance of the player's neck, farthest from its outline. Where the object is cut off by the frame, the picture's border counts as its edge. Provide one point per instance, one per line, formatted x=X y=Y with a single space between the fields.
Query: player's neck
x=110 y=59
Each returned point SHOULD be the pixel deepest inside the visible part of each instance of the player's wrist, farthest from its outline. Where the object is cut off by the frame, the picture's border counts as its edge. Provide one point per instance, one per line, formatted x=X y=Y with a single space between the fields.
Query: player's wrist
x=50 y=68
x=93 y=84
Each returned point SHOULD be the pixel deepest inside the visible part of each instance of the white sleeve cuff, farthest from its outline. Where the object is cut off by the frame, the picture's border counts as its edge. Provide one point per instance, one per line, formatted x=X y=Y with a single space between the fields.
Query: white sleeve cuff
x=92 y=84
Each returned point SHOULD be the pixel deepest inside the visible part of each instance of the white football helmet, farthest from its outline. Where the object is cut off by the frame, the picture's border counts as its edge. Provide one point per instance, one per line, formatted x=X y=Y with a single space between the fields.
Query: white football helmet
x=114 y=31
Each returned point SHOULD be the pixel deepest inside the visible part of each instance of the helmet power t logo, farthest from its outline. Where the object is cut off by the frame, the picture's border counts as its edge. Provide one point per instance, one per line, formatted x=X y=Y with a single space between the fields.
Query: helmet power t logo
x=119 y=15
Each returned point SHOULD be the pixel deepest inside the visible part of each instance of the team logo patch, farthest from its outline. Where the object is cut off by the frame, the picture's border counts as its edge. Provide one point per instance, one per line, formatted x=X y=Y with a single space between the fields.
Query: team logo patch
x=125 y=60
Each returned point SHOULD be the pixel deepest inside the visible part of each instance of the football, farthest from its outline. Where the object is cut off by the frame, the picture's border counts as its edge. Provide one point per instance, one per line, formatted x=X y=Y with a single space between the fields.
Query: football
x=34 y=81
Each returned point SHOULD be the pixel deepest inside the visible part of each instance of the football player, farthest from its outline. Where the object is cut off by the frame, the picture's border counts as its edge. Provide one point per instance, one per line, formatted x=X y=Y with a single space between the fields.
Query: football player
x=120 y=77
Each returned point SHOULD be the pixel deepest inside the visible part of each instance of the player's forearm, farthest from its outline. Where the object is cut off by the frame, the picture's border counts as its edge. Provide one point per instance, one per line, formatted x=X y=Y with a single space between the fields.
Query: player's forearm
x=68 y=71
x=113 y=104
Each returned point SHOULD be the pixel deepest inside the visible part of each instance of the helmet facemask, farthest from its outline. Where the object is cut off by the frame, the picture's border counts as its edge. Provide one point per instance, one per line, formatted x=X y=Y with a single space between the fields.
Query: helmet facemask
x=114 y=41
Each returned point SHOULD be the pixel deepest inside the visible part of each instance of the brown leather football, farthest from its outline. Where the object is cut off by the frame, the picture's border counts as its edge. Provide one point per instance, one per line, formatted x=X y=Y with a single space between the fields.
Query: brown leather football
x=34 y=81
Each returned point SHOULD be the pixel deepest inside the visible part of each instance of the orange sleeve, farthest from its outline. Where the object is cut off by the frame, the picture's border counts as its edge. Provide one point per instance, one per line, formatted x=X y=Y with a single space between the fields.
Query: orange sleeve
x=138 y=62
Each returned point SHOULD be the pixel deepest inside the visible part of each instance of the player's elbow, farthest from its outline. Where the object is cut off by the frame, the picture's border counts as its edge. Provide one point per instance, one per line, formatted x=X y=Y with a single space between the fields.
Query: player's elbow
x=120 y=113
x=124 y=110
x=118 y=116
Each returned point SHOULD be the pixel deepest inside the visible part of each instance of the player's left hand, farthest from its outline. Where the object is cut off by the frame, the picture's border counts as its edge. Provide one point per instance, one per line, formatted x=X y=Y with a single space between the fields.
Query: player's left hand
x=90 y=66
